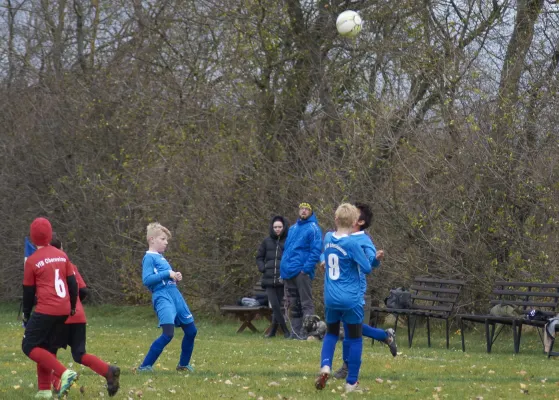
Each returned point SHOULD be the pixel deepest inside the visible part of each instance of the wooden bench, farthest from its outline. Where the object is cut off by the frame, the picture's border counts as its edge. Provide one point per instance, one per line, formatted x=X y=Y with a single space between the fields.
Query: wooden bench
x=524 y=296
x=431 y=298
x=247 y=314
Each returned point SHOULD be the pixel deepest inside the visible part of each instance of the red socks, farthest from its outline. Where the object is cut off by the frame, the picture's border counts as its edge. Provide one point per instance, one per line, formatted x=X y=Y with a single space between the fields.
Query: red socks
x=43 y=378
x=96 y=364
x=47 y=361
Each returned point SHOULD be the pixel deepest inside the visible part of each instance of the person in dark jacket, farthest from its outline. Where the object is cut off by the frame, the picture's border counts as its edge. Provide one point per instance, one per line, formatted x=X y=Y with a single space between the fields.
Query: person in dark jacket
x=268 y=262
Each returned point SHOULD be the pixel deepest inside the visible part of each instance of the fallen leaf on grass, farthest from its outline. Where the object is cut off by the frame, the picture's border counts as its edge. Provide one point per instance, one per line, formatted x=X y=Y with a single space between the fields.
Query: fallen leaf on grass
x=273 y=384
x=490 y=371
x=379 y=380
x=16 y=387
x=228 y=382
x=438 y=389
x=522 y=372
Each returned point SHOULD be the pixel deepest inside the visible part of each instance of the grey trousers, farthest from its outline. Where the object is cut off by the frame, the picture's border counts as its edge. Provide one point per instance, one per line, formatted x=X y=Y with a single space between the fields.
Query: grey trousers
x=300 y=301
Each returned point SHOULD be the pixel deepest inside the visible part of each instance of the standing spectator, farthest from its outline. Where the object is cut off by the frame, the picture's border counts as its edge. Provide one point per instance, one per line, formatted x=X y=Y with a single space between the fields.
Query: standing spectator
x=268 y=261
x=301 y=254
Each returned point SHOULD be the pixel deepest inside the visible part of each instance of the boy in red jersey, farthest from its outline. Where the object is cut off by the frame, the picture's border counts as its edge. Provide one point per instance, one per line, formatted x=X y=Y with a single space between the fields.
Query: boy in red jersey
x=74 y=335
x=49 y=276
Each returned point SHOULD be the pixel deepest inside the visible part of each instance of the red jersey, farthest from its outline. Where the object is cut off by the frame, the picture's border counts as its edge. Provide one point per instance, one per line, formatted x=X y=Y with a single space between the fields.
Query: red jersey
x=79 y=316
x=47 y=269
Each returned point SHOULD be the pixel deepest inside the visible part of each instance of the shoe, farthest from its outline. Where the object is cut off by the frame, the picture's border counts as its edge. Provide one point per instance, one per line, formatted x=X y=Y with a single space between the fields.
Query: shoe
x=113 y=380
x=43 y=394
x=353 y=388
x=185 y=368
x=272 y=332
x=391 y=341
x=66 y=381
x=287 y=335
x=320 y=382
x=342 y=372
x=146 y=368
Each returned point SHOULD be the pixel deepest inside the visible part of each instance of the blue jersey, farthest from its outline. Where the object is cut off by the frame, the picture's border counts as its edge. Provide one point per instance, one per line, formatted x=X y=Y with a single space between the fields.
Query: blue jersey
x=156 y=272
x=345 y=261
x=370 y=251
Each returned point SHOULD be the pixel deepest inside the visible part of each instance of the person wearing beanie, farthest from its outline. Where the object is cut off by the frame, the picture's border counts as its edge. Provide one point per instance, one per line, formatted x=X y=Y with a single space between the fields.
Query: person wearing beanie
x=48 y=275
x=300 y=255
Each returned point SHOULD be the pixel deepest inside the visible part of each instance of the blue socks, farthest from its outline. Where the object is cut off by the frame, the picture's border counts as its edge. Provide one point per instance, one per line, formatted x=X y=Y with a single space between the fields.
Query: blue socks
x=156 y=349
x=368 y=331
x=354 y=359
x=328 y=347
x=374 y=333
x=187 y=345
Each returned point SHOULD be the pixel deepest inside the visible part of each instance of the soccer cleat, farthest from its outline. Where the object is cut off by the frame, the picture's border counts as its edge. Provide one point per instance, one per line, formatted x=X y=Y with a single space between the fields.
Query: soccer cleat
x=44 y=394
x=185 y=368
x=353 y=388
x=113 y=380
x=391 y=341
x=342 y=372
x=320 y=382
x=146 y=368
x=66 y=381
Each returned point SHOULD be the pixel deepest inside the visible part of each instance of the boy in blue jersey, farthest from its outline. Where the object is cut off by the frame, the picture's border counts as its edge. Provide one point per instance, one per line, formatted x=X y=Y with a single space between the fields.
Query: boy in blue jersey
x=171 y=309
x=375 y=257
x=343 y=295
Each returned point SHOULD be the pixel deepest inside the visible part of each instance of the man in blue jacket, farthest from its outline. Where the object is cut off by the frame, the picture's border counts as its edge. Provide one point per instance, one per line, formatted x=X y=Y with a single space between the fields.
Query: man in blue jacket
x=301 y=253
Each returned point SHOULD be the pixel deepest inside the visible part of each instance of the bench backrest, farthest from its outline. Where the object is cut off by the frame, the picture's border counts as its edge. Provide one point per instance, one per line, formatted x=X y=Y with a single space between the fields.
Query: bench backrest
x=435 y=295
x=526 y=296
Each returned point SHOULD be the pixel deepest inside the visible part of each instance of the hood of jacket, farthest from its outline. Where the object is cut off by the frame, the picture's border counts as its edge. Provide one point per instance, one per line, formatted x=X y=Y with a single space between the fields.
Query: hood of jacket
x=283 y=233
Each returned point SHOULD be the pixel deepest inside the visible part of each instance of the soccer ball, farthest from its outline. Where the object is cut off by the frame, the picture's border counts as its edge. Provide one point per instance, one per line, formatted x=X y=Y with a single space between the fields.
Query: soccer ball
x=349 y=23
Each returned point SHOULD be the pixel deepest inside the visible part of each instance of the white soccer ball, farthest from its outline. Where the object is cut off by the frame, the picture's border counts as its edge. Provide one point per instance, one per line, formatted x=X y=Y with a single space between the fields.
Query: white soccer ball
x=349 y=23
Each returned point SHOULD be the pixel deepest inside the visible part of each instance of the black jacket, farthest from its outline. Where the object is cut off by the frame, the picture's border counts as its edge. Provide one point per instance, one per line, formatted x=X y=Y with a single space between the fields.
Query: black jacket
x=269 y=255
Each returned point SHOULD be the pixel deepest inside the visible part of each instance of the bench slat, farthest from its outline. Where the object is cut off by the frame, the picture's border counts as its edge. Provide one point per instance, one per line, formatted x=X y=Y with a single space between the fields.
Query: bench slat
x=434 y=298
x=527 y=284
x=415 y=306
x=524 y=294
x=524 y=303
x=443 y=281
x=434 y=289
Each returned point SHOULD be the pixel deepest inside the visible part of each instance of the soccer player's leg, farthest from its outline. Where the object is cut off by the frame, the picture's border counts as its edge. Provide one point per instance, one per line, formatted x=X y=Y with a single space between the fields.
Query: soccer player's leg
x=342 y=372
x=77 y=341
x=165 y=309
x=185 y=320
x=332 y=318
x=354 y=320
x=35 y=342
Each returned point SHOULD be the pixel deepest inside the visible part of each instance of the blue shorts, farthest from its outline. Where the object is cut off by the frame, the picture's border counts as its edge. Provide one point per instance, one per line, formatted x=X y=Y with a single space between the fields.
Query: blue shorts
x=170 y=307
x=349 y=316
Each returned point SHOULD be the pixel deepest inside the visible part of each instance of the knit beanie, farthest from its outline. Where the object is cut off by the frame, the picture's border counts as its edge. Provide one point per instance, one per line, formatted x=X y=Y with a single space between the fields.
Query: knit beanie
x=41 y=232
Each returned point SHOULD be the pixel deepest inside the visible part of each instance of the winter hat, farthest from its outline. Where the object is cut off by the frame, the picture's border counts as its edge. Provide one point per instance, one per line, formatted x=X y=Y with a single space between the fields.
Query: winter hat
x=305 y=205
x=41 y=232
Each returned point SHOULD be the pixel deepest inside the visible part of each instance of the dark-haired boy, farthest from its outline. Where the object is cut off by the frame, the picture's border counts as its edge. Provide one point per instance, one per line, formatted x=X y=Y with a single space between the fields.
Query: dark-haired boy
x=375 y=257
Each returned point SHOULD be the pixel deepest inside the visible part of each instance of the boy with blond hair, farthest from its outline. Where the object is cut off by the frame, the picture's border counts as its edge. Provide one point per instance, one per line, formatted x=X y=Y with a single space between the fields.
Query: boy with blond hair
x=343 y=296
x=169 y=305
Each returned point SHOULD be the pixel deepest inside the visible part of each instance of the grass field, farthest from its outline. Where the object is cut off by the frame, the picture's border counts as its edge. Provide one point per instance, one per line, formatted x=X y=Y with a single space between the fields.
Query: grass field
x=246 y=366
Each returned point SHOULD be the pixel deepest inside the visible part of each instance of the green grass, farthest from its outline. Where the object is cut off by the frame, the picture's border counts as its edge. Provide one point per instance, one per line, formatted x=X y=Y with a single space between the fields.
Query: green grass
x=246 y=366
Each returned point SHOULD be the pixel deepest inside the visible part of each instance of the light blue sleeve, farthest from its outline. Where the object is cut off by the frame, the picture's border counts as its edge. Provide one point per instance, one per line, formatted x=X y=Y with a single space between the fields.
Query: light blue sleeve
x=370 y=252
x=359 y=257
x=150 y=276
